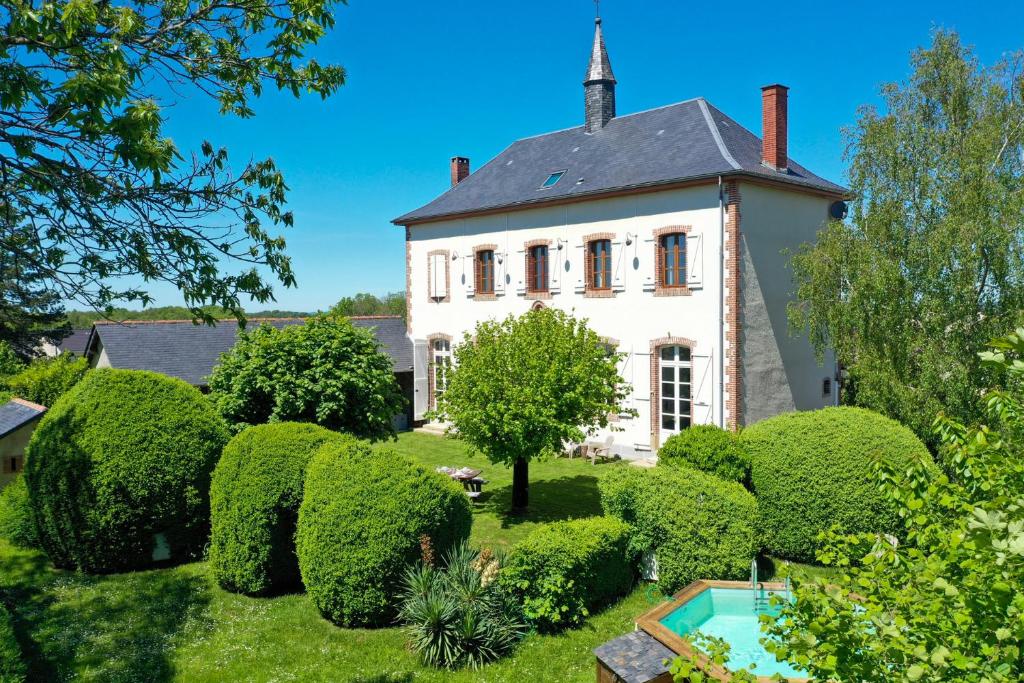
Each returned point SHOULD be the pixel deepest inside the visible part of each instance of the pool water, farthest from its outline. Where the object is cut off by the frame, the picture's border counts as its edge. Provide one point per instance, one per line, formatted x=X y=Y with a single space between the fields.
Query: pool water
x=728 y=613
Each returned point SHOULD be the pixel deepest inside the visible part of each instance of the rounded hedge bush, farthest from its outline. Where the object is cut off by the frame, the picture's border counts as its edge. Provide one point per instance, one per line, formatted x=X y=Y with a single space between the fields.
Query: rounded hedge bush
x=254 y=505
x=697 y=525
x=16 y=522
x=565 y=570
x=362 y=517
x=119 y=471
x=813 y=470
x=710 y=449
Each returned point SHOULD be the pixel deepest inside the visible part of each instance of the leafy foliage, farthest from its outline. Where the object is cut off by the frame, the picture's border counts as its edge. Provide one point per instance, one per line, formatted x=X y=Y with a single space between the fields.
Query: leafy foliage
x=12 y=666
x=17 y=524
x=47 y=379
x=565 y=570
x=254 y=504
x=698 y=526
x=710 y=449
x=460 y=615
x=327 y=371
x=123 y=456
x=811 y=471
x=520 y=388
x=362 y=516
x=948 y=603
x=930 y=265
x=10 y=363
x=89 y=172
x=392 y=303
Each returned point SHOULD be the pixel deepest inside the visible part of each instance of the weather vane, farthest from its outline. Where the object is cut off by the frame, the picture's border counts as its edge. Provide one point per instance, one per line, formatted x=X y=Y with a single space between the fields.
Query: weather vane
x=597 y=9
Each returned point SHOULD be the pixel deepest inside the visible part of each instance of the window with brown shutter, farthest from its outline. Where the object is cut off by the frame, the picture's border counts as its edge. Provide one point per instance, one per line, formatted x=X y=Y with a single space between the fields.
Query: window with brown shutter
x=672 y=260
x=485 y=271
x=599 y=264
x=537 y=280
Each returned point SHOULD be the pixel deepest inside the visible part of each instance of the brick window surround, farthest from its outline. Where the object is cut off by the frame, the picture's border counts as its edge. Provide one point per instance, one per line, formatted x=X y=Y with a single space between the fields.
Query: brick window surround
x=733 y=378
x=477 y=293
x=660 y=288
x=431 y=338
x=656 y=346
x=447 y=275
x=531 y=285
x=588 y=266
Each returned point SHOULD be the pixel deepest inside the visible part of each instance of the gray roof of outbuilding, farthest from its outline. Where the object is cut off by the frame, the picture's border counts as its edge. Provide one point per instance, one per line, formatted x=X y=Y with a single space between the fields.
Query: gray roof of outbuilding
x=18 y=413
x=679 y=142
x=190 y=352
x=75 y=342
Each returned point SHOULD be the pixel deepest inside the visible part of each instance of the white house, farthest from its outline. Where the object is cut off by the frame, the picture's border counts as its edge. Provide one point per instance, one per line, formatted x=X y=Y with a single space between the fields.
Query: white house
x=665 y=228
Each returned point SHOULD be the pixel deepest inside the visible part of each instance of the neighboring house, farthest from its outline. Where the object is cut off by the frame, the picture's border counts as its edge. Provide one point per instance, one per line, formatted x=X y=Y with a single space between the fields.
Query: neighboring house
x=189 y=352
x=18 y=420
x=667 y=229
x=73 y=343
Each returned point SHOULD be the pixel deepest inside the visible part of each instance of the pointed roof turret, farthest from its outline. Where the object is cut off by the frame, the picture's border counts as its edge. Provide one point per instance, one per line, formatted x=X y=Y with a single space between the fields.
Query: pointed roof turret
x=599 y=84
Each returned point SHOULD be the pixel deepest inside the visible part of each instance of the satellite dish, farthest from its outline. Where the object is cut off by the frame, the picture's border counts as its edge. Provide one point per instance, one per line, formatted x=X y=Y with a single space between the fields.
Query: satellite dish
x=837 y=210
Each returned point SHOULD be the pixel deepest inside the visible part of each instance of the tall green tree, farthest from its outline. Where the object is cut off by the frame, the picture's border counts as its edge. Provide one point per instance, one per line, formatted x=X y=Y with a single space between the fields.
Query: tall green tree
x=326 y=371
x=111 y=204
x=30 y=312
x=929 y=265
x=364 y=303
x=521 y=388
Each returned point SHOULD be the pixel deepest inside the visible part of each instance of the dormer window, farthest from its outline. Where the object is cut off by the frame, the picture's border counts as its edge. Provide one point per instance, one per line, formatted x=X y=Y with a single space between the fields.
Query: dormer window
x=552 y=180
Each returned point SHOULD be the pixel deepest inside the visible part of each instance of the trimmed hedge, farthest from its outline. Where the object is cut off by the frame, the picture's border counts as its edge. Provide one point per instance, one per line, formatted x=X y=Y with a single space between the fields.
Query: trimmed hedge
x=565 y=570
x=698 y=526
x=254 y=505
x=12 y=666
x=119 y=471
x=812 y=470
x=362 y=516
x=710 y=449
x=16 y=522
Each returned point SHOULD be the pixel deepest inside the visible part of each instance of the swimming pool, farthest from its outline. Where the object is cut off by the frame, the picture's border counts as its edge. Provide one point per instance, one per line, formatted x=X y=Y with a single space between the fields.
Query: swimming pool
x=726 y=610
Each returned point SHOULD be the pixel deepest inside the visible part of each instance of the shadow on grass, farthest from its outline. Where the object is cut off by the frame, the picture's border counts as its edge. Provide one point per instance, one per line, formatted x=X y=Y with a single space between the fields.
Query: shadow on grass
x=116 y=627
x=405 y=677
x=551 y=500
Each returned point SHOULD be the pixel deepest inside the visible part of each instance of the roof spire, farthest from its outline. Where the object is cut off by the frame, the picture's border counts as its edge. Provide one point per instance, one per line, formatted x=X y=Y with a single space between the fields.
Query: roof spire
x=599 y=84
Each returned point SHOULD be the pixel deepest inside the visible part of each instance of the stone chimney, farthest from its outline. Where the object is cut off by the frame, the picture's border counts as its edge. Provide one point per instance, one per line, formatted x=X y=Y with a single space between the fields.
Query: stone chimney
x=774 y=115
x=460 y=169
x=599 y=84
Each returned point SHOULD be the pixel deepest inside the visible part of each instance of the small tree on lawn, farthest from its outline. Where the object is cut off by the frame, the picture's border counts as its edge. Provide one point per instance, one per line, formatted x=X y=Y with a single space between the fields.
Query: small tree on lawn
x=522 y=387
x=326 y=371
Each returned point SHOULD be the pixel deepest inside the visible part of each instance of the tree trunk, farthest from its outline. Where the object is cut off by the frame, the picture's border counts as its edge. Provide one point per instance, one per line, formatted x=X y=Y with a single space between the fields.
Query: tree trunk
x=520 y=484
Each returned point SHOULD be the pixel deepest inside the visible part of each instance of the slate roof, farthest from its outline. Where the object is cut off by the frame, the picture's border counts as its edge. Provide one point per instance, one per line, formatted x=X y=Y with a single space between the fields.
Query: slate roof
x=75 y=342
x=189 y=352
x=18 y=413
x=685 y=141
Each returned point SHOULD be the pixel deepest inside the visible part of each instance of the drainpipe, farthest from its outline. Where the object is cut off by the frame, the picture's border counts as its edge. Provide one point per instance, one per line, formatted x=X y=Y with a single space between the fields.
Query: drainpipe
x=721 y=304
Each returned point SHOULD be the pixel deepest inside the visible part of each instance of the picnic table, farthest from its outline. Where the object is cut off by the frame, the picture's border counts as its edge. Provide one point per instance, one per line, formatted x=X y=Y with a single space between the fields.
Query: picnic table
x=468 y=477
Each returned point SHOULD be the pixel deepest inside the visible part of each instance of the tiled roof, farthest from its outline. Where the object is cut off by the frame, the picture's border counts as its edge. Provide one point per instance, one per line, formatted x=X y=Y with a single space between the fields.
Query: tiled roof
x=17 y=413
x=189 y=352
x=685 y=141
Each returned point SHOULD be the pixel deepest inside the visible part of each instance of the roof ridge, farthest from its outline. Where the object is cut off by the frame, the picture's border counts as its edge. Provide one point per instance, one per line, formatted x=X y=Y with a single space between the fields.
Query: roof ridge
x=188 y=320
x=716 y=134
x=623 y=116
x=28 y=404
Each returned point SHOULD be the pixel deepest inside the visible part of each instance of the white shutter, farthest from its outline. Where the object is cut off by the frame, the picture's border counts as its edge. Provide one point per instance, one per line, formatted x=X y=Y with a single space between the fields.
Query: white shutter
x=556 y=267
x=695 y=260
x=438 y=281
x=627 y=373
x=521 y=267
x=468 y=273
x=420 y=386
x=702 y=388
x=648 y=268
x=618 y=266
x=582 y=272
x=642 y=397
x=499 y=271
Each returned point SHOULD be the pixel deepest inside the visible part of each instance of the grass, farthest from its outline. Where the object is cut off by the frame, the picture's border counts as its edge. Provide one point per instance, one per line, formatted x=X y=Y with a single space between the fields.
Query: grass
x=176 y=624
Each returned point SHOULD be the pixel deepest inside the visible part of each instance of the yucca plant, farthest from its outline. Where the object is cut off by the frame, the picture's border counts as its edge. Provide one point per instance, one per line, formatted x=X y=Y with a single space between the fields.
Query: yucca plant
x=460 y=615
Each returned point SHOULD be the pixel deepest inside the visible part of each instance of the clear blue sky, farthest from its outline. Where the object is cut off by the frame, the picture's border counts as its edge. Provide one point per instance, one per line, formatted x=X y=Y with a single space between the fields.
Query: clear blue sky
x=430 y=80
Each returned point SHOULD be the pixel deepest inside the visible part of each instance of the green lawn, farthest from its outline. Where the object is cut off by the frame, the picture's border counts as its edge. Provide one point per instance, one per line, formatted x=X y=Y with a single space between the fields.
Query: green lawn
x=176 y=624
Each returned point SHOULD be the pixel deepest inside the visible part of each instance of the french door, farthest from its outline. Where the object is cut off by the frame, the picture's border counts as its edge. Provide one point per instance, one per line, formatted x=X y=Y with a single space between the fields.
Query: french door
x=674 y=376
x=442 y=362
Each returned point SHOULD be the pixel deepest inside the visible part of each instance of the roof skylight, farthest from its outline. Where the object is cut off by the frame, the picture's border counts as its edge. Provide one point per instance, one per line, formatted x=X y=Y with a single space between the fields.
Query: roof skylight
x=552 y=179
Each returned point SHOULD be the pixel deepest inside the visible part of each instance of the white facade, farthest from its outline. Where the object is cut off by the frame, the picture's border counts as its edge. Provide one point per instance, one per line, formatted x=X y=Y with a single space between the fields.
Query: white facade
x=637 y=317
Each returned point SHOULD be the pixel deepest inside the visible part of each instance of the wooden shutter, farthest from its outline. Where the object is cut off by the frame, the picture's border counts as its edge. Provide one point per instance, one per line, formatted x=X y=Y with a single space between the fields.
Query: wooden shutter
x=438 y=276
x=618 y=266
x=421 y=387
x=702 y=388
x=694 y=266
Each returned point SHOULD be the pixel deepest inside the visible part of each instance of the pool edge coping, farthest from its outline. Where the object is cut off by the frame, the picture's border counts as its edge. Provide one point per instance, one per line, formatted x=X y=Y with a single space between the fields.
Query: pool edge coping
x=650 y=623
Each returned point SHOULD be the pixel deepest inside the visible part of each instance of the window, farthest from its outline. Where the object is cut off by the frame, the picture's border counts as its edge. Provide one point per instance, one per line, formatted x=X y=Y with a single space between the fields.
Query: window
x=826 y=387
x=485 y=271
x=674 y=386
x=672 y=257
x=599 y=262
x=537 y=268
x=442 y=362
x=12 y=464
x=552 y=180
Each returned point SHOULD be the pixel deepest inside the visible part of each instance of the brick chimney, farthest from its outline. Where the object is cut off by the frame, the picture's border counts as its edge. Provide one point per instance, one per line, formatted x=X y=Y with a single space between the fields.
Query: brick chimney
x=774 y=126
x=460 y=169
